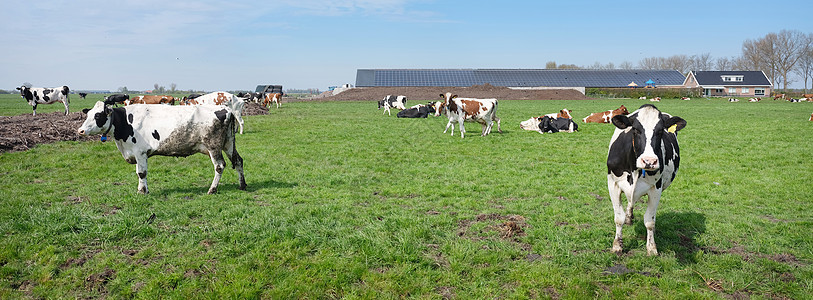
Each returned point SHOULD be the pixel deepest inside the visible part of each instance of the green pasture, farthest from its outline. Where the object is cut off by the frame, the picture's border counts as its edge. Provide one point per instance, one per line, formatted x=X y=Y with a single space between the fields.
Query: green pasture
x=344 y=202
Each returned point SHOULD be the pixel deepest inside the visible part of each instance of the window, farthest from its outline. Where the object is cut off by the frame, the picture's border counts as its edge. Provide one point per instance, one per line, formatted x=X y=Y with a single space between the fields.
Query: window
x=732 y=90
x=759 y=92
x=732 y=78
x=745 y=90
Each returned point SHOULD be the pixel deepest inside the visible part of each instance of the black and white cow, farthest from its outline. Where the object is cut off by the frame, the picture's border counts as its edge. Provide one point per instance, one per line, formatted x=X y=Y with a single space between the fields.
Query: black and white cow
x=141 y=131
x=117 y=99
x=417 y=111
x=642 y=160
x=553 y=125
x=83 y=95
x=36 y=96
x=391 y=101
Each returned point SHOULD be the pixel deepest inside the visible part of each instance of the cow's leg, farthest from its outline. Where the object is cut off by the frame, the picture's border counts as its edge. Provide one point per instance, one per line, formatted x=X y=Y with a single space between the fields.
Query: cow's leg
x=239 y=118
x=141 y=171
x=35 y=109
x=649 y=220
x=618 y=213
x=462 y=129
x=65 y=102
x=498 y=124
x=487 y=127
x=447 y=127
x=236 y=162
x=220 y=164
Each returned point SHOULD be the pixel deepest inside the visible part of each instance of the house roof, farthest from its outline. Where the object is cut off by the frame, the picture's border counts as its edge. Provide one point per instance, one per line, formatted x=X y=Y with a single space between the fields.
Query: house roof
x=715 y=78
x=514 y=77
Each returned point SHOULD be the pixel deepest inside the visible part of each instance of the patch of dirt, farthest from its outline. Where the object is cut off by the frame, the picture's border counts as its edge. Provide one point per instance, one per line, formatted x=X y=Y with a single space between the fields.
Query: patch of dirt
x=99 y=280
x=423 y=93
x=738 y=250
x=23 y=132
x=619 y=269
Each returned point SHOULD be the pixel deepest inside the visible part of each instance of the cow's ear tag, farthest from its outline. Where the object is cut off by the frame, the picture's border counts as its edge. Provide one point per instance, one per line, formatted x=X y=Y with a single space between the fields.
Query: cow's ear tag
x=672 y=128
x=103 y=139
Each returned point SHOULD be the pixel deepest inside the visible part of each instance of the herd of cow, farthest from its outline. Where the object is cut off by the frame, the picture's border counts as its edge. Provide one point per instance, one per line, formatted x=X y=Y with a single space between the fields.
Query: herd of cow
x=642 y=159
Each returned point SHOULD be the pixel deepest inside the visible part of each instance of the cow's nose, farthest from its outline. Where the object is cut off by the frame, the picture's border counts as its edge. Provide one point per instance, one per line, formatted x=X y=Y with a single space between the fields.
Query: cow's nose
x=80 y=131
x=650 y=163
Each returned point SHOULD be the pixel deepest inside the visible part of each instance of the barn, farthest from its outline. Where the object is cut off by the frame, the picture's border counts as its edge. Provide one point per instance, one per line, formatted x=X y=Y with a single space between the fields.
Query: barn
x=517 y=78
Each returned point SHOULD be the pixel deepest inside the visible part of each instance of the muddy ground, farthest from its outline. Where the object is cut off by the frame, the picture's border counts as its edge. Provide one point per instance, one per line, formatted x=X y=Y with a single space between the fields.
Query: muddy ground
x=20 y=133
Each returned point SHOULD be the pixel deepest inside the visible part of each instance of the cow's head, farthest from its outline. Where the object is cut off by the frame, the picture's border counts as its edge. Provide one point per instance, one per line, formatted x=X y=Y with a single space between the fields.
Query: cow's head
x=25 y=92
x=98 y=119
x=440 y=105
x=621 y=111
x=647 y=126
x=565 y=113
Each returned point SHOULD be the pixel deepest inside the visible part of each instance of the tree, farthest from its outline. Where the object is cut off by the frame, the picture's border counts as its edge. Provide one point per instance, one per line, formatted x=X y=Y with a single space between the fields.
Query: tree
x=625 y=65
x=724 y=64
x=550 y=65
x=702 y=62
x=123 y=90
x=790 y=45
x=173 y=87
x=805 y=66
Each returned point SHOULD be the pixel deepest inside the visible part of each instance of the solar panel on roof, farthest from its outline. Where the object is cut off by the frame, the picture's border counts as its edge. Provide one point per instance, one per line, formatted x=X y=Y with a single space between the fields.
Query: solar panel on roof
x=514 y=77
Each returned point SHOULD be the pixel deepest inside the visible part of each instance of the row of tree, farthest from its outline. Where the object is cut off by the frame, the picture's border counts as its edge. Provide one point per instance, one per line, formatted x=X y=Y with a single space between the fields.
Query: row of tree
x=780 y=55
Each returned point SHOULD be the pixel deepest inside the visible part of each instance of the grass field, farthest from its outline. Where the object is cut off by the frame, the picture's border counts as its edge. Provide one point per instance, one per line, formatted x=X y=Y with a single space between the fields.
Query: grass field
x=343 y=202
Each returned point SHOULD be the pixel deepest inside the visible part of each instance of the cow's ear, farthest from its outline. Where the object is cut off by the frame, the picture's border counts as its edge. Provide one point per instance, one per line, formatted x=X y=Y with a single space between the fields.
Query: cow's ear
x=678 y=122
x=621 y=121
x=442 y=96
x=453 y=96
x=86 y=110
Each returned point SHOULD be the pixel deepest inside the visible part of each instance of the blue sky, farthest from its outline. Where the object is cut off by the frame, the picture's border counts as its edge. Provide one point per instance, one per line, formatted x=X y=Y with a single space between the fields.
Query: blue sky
x=234 y=45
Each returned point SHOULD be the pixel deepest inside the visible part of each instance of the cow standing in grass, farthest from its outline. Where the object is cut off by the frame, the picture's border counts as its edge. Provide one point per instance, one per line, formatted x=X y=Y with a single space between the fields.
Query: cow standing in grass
x=36 y=96
x=642 y=160
x=483 y=111
x=141 y=131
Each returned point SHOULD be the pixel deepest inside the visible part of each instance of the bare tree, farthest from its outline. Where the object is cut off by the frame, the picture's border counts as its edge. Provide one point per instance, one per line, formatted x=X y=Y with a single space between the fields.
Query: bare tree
x=702 y=62
x=724 y=64
x=651 y=63
x=550 y=65
x=173 y=87
x=804 y=68
x=625 y=65
x=790 y=44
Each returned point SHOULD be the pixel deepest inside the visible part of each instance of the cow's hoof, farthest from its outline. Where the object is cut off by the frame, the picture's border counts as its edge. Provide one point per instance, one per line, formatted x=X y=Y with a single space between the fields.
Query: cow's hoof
x=652 y=251
x=242 y=187
x=212 y=191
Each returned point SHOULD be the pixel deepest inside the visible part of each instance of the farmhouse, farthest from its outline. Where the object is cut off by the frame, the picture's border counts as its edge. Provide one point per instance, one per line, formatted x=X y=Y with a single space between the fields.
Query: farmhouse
x=518 y=78
x=730 y=83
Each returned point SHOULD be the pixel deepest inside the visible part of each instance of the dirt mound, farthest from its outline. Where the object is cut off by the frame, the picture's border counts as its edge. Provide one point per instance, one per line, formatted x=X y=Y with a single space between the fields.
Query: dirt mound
x=20 y=133
x=432 y=93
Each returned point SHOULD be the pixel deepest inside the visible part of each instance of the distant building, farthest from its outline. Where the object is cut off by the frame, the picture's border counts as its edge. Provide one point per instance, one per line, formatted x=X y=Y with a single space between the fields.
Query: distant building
x=730 y=83
x=518 y=78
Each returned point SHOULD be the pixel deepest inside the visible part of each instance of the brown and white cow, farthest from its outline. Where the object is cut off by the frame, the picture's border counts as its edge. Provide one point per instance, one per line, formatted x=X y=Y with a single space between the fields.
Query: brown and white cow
x=236 y=104
x=811 y=117
x=605 y=116
x=272 y=98
x=483 y=111
x=656 y=99
x=685 y=98
x=36 y=96
x=151 y=99
x=754 y=99
x=779 y=96
x=141 y=131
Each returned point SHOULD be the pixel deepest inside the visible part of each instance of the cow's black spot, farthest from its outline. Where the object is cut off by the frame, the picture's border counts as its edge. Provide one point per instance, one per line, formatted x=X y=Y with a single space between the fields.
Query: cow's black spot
x=221 y=115
x=130 y=118
x=101 y=119
x=629 y=179
x=47 y=91
x=659 y=183
x=142 y=175
x=122 y=130
x=156 y=135
x=46 y=98
x=134 y=140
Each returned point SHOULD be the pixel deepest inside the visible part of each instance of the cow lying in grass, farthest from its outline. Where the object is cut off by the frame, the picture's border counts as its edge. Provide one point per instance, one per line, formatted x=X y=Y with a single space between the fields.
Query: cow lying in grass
x=141 y=131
